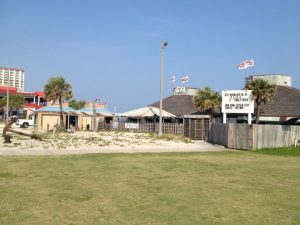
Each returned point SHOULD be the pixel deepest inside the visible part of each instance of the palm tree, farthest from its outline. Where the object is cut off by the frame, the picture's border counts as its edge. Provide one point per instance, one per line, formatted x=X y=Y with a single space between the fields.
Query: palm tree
x=207 y=99
x=57 y=89
x=77 y=104
x=262 y=92
x=16 y=102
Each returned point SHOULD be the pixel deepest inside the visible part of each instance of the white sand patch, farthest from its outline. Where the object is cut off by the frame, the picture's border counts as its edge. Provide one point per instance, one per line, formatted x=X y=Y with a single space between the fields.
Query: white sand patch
x=100 y=142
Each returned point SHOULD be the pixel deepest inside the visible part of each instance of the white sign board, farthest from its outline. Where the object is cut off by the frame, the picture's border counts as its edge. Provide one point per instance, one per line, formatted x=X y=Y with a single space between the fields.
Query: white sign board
x=115 y=125
x=131 y=125
x=237 y=101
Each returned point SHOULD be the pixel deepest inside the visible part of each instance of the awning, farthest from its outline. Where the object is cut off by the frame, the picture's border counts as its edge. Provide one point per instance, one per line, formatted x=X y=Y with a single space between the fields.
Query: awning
x=148 y=111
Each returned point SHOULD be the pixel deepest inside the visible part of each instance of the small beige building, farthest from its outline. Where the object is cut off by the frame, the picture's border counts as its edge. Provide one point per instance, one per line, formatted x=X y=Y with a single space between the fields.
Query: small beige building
x=103 y=117
x=47 y=118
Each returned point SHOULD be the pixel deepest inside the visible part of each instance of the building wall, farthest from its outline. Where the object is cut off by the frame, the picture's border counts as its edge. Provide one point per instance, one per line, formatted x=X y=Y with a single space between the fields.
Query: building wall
x=88 y=120
x=16 y=78
x=45 y=119
x=276 y=79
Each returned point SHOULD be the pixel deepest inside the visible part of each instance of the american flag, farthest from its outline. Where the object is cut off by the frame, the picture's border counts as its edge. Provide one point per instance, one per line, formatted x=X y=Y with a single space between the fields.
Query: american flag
x=245 y=64
x=185 y=79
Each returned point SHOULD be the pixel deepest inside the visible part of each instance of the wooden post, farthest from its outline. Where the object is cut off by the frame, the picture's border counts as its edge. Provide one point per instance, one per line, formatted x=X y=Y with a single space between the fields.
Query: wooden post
x=7 y=128
x=224 y=118
x=190 y=127
x=254 y=141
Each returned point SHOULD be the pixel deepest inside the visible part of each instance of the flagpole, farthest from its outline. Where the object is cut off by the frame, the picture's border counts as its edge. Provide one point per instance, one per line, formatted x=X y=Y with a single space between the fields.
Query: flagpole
x=163 y=45
x=187 y=83
x=174 y=82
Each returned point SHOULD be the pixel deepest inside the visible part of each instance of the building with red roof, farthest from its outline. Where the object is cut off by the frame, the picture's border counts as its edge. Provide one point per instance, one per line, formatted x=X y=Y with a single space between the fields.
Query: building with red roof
x=14 y=79
x=33 y=100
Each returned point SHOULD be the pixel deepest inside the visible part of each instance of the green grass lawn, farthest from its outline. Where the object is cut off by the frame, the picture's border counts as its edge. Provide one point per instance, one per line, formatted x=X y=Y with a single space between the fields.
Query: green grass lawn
x=178 y=188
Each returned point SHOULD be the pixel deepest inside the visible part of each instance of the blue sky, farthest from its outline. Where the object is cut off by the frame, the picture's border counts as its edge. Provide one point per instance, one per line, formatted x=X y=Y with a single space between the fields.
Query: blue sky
x=111 y=49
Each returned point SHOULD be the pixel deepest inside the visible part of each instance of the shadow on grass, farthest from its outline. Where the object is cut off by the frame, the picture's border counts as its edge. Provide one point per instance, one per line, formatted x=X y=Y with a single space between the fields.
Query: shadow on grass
x=287 y=151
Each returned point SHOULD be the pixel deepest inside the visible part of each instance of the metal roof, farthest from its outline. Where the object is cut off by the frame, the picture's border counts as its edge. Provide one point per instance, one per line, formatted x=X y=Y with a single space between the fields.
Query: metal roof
x=89 y=111
x=67 y=109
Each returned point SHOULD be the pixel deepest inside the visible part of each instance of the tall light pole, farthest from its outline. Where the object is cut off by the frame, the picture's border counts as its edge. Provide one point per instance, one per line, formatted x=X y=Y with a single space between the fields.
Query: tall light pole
x=163 y=45
x=7 y=98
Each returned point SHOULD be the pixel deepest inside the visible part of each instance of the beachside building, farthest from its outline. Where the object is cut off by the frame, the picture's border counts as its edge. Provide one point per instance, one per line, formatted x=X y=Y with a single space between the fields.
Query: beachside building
x=284 y=108
x=181 y=104
x=33 y=100
x=48 y=117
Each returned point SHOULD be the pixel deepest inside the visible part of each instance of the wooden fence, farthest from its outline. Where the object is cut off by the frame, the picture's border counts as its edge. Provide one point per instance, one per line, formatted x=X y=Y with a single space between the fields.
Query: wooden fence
x=277 y=136
x=248 y=137
x=167 y=128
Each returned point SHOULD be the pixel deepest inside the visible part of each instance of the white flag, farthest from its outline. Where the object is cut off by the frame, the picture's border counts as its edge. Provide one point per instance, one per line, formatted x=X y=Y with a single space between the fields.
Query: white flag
x=173 y=79
x=245 y=64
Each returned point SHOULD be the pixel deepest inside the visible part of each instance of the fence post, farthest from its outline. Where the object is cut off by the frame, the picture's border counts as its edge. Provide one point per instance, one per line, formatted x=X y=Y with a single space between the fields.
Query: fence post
x=227 y=129
x=254 y=141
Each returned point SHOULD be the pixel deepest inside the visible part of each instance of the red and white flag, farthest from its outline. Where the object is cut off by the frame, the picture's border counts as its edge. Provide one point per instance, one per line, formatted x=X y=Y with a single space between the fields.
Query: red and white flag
x=245 y=64
x=173 y=79
x=185 y=79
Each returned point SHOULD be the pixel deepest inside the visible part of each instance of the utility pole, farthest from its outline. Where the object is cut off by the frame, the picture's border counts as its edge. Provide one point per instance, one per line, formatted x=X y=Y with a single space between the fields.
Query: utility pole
x=7 y=98
x=94 y=116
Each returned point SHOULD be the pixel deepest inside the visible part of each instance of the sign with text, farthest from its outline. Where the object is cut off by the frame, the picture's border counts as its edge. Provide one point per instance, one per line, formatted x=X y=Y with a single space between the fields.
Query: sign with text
x=131 y=125
x=179 y=90
x=237 y=101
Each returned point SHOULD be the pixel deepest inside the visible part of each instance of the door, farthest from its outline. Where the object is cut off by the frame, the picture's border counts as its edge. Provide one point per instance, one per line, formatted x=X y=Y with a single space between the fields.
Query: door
x=196 y=129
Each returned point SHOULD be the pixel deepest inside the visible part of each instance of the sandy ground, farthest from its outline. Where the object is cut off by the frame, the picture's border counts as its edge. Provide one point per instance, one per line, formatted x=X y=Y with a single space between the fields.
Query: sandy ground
x=99 y=142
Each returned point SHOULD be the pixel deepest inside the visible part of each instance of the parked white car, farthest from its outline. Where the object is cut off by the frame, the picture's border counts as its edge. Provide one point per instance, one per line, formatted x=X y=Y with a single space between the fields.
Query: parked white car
x=24 y=123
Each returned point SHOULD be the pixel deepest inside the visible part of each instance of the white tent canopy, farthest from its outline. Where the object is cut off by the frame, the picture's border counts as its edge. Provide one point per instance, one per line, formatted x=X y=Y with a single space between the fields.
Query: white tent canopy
x=147 y=111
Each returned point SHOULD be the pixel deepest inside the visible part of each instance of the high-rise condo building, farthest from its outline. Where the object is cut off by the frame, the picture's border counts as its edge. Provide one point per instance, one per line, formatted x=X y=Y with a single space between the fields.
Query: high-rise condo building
x=12 y=76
